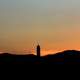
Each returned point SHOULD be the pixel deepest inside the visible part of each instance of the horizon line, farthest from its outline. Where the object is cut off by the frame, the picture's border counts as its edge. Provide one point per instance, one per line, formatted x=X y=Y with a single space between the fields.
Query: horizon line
x=36 y=54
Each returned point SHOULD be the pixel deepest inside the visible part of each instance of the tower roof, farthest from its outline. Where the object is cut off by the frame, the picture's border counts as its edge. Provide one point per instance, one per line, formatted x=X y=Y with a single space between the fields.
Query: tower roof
x=38 y=45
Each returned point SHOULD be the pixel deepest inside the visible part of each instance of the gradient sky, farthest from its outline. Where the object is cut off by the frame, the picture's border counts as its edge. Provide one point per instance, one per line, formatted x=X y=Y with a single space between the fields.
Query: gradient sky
x=55 y=24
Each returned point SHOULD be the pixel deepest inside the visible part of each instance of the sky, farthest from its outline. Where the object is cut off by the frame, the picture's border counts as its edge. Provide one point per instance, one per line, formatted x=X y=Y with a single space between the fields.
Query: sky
x=54 y=24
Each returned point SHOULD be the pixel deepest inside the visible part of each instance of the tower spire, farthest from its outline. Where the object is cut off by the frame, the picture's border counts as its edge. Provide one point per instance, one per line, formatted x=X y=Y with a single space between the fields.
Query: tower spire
x=38 y=50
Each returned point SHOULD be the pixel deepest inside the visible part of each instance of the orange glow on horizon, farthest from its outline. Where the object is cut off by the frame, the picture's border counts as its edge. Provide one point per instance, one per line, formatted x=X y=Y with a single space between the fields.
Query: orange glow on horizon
x=1 y=52
x=46 y=49
x=47 y=52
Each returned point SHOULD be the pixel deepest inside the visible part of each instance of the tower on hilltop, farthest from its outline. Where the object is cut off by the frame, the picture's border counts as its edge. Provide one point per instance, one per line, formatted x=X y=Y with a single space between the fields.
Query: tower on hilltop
x=38 y=50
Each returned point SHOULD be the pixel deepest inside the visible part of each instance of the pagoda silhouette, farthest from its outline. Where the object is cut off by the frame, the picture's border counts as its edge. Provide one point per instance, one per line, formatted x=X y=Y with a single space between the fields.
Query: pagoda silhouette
x=38 y=50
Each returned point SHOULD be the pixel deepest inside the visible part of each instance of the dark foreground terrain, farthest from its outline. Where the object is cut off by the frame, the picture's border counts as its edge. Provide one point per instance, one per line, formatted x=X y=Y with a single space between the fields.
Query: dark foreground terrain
x=66 y=57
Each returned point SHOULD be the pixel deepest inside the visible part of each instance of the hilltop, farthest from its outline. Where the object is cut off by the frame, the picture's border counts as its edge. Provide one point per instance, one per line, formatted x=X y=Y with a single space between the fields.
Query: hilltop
x=65 y=57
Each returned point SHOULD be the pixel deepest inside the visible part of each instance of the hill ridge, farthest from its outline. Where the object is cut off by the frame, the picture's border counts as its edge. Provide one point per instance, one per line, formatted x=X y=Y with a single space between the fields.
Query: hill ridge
x=65 y=57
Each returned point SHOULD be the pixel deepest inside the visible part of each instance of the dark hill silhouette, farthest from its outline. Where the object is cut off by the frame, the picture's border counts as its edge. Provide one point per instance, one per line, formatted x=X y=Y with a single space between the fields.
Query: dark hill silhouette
x=65 y=57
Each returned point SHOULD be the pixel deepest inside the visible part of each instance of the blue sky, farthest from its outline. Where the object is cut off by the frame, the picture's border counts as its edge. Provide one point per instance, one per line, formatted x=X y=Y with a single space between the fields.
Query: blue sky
x=40 y=3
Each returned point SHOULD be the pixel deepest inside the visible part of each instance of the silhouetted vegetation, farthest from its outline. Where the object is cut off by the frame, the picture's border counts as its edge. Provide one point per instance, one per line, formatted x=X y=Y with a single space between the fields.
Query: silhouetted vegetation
x=66 y=57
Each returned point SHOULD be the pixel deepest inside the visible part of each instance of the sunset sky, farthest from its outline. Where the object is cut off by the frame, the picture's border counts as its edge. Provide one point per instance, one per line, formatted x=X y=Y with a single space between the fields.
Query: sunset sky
x=55 y=24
